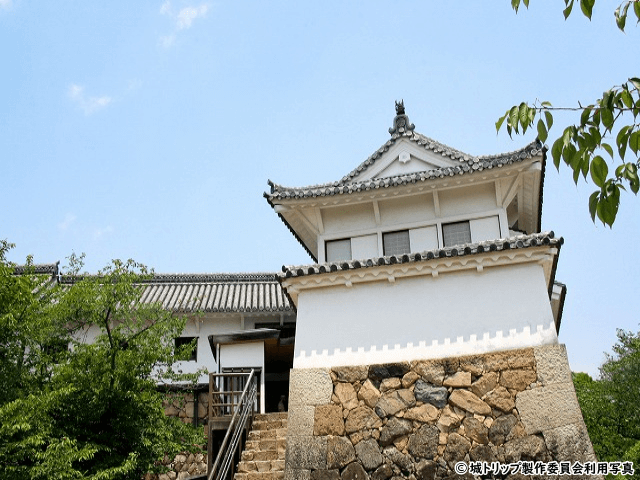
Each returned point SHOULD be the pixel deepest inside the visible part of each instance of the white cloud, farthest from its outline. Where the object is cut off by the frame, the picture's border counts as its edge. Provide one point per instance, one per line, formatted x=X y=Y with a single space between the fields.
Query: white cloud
x=187 y=15
x=183 y=19
x=88 y=105
x=69 y=218
x=165 y=9
x=100 y=232
x=6 y=4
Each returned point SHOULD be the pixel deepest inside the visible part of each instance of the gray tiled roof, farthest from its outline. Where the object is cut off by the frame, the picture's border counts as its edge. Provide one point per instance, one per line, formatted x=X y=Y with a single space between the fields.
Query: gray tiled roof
x=517 y=242
x=255 y=292
x=39 y=269
x=218 y=292
x=467 y=164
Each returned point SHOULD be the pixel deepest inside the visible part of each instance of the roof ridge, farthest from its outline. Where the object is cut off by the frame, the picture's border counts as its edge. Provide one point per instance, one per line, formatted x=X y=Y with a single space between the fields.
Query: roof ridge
x=189 y=277
x=37 y=269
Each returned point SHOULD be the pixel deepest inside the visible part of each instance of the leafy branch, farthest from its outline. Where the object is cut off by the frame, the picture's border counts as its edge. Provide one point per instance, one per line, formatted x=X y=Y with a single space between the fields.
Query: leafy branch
x=583 y=146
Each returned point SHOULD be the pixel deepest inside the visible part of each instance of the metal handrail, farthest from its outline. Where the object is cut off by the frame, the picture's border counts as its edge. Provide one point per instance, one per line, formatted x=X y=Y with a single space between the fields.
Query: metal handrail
x=238 y=422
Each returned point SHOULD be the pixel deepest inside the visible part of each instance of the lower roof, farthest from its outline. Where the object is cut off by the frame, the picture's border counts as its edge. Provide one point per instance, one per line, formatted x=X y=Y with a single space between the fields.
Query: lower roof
x=217 y=292
x=517 y=242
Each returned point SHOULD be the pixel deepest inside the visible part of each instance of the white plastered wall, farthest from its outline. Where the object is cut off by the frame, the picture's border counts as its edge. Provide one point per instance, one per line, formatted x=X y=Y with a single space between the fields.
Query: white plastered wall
x=452 y=314
x=243 y=355
x=205 y=326
x=420 y=214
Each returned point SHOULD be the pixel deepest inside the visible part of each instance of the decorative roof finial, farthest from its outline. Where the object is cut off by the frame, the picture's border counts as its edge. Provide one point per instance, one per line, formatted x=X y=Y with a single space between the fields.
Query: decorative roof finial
x=401 y=123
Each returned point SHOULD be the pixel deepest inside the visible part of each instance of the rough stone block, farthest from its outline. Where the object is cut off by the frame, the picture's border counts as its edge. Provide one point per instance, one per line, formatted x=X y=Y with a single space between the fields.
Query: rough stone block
x=391 y=383
x=466 y=400
x=369 y=454
x=362 y=418
x=354 y=471
x=457 y=448
x=309 y=386
x=424 y=443
x=517 y=379
x=395 y=427
x=383 y=472
x=393 y=401
x=380 y=372
x=473 y=364
x=531 y=448
x=570 y=443
x=484 y=384
x=400 y=459
x=459 y=379
x=498 y=361
x=548 y=407
x=346 y=395
x=501 y=428
x=351 y=374
x=429 y=393
x=325 y=475
x=426 y=413
x=369 y=394
x=552 y=364
x=431 y=371
x=297 y=474
x=501 y=399
x=328 y=420
x=340 y=452
x=305 y=453
x=523 y=358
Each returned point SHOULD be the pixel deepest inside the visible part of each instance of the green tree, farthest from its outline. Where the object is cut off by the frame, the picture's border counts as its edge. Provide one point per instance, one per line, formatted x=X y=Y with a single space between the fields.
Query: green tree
x=610 y=405
x=26 y=336
x=96 y=414
x=584 y=146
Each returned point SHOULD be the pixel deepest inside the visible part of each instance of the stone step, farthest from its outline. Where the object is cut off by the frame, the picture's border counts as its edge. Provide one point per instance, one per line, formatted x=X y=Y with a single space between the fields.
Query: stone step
x=271 y=416
x=256 y=455
x=257 y=435
x=268 y=424
x=264 y=451
x=261 y=466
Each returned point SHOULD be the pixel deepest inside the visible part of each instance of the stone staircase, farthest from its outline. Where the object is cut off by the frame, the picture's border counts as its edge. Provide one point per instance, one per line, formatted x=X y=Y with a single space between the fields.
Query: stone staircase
x=263 y=455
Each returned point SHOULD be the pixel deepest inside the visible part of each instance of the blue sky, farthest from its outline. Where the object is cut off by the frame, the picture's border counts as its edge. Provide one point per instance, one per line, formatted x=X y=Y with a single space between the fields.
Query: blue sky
x=148 y=129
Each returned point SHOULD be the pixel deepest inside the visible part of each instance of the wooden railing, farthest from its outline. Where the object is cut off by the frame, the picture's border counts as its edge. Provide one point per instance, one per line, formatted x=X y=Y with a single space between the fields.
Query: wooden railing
x=225 y=390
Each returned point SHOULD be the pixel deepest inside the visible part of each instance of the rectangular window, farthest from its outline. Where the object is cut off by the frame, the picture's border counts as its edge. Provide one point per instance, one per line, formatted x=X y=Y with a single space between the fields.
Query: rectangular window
x=457 y=233
x=338 y=250
x=182 y=341
x=396 y=243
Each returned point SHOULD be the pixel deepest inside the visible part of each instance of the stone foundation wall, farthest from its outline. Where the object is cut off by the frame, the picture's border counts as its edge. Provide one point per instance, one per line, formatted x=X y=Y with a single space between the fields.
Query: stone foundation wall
x=183 y=466
x=182 y=405
x=418 y=419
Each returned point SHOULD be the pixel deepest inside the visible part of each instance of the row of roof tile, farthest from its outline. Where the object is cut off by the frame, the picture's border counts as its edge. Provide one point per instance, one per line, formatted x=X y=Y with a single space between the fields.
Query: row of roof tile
x=220 y=293
x=193 y=292
x=517 y=242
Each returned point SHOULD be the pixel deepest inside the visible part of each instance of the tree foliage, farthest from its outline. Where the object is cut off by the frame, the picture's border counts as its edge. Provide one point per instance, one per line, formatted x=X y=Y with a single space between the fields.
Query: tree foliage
x=26 y=337
x=92 y=411
x=608 y=133
x=610 y=405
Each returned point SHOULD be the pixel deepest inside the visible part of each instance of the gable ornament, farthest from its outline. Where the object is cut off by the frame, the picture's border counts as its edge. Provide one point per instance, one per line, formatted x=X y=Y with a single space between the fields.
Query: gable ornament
x=401 y=122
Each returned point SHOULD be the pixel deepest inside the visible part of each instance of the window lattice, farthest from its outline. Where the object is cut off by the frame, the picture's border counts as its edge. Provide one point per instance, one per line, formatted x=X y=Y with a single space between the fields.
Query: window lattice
x=456 y=233
x=396 y=243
